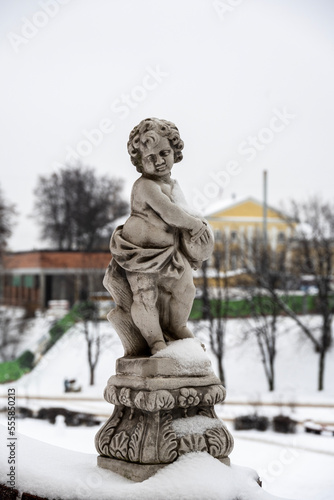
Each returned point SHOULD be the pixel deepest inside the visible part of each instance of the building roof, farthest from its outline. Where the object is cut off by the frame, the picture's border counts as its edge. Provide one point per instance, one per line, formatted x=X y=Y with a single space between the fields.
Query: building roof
x=224 y=208
x=49 y=259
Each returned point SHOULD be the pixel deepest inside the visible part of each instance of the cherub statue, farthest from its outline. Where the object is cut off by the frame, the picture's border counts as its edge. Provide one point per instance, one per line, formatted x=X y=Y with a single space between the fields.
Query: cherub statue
x=153 y=253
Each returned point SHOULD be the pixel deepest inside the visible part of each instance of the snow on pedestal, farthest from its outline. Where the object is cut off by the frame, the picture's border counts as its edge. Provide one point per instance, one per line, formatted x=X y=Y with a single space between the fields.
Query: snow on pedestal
x=189 y=357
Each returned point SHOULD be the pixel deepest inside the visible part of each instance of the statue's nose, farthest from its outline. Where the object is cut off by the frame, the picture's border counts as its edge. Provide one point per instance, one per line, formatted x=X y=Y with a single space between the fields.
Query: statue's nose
x=159 y=160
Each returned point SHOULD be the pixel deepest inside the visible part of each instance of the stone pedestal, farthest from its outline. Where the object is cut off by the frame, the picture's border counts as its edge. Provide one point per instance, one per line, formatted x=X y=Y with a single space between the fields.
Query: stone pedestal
x=159 y=416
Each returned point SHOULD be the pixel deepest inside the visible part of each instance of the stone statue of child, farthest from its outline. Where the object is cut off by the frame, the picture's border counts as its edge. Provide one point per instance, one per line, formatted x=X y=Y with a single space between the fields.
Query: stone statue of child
x=150 y=280
x=151 y=248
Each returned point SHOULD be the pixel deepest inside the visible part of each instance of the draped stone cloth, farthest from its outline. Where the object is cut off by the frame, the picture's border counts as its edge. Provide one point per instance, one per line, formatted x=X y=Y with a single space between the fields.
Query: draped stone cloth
x=167 y=261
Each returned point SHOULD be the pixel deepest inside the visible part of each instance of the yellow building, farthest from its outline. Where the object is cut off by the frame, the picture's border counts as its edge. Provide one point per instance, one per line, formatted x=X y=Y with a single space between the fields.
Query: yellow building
x=236 y=222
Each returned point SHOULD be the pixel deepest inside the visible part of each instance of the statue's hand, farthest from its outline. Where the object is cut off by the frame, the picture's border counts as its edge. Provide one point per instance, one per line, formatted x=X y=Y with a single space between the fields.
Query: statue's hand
x=200 y=231
x=197 y=243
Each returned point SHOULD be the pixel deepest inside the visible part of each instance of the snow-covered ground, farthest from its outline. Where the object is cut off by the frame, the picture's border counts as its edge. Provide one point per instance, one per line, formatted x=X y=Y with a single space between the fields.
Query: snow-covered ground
x=296 y=365
x=298 y=466
x=34 y=329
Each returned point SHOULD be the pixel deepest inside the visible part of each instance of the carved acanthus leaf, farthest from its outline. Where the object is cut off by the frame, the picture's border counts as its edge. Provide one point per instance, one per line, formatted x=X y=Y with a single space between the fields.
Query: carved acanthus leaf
x=220 y=442
x=110 y=395
x=207 y=411
x=105 y=434
x=168 y=441
x=119 y=445
x=136 y=441
x=154 y=401
x=216 y=394
x=192 y=442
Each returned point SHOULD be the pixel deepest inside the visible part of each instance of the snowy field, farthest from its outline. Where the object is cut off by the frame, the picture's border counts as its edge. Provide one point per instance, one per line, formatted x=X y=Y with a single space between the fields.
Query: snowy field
x=296 y=364
x=291 y=466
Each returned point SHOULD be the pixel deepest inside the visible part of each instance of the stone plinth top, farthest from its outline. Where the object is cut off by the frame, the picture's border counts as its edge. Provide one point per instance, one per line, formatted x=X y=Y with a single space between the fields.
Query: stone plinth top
x=161 y=382
x=156 y=367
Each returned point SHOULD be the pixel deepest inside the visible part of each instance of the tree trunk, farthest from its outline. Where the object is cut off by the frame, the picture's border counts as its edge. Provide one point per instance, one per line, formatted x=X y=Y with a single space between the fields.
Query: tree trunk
x=206 y=307
x=321 y=371
x=221 y=371
x=271 y=379
x=91 y=375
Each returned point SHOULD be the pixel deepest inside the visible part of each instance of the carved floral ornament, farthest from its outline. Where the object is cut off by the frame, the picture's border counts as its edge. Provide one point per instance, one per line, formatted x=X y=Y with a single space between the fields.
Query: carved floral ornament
x=163 y=399
x=188 y=397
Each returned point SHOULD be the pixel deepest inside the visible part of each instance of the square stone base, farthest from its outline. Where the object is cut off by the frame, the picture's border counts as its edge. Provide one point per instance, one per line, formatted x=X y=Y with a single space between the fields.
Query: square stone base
x=136 y=472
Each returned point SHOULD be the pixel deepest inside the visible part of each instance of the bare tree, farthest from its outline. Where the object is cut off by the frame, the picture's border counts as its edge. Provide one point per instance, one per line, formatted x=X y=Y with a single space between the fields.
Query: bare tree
x=76 y=209
x=261 y=266
x=268 y=273
x=93 y=339
x=88 y=313
x=314 y=255
x=215 y=303
x=12 y=326
x=310 y=251
x=7 y=213
x=264 y=325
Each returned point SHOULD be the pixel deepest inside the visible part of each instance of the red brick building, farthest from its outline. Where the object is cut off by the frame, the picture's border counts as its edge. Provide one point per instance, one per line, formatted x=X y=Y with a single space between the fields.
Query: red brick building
x=34 y=278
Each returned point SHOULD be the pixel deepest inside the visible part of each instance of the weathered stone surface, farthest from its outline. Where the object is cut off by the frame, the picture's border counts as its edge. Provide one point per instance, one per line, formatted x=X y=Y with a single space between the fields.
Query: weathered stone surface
x=136 y=472
x=152 y=384
x=153 y=367
x=130 y=470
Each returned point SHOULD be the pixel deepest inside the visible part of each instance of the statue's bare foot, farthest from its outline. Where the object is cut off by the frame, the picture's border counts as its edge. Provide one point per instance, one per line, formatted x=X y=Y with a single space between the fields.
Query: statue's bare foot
x=184 y=333
x=158 y=346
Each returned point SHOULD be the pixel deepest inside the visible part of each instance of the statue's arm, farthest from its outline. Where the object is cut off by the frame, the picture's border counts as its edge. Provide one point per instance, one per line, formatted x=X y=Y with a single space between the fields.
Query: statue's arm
x=171 y=213
x=180 y=199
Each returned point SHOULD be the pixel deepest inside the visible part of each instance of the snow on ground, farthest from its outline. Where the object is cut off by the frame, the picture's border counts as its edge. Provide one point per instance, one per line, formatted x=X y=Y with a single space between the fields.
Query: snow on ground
x=322 y=415
x=68 y=359
x=296 y=363
x=37 y=330
x=34 y=328
x=287 y=470
x=296 y=366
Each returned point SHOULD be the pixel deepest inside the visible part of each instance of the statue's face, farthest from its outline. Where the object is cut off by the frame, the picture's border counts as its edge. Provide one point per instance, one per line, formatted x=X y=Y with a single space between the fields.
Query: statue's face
x=158 y=160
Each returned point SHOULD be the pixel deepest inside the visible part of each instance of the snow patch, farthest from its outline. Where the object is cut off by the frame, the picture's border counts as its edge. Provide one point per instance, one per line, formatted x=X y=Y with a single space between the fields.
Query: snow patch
x=195 y=425
x=189 y=356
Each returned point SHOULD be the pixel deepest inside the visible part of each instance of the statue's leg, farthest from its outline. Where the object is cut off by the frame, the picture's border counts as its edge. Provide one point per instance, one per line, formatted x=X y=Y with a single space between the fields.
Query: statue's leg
x=144 y=311
x=182 y=297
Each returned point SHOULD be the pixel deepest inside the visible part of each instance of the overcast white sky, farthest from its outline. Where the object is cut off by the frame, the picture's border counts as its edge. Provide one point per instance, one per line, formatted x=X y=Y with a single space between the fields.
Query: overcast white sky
x=245 y=81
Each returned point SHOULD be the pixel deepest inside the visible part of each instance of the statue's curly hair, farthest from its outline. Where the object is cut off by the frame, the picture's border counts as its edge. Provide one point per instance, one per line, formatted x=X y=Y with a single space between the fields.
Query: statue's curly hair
x=148 y=132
